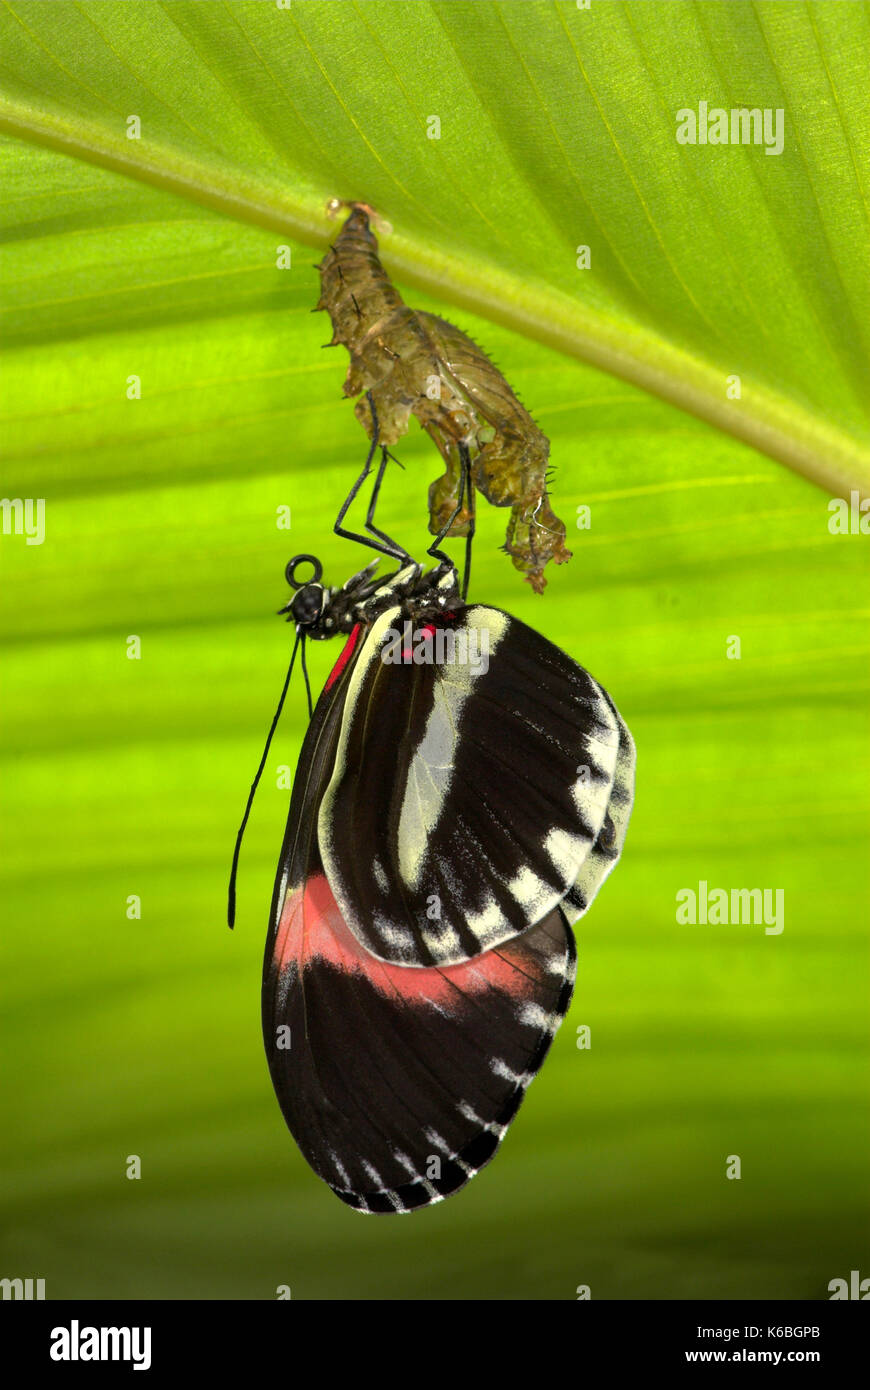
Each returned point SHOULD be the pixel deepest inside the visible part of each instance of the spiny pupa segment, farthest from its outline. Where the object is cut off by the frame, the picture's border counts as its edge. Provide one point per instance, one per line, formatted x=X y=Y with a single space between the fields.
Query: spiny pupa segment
x=415 y=363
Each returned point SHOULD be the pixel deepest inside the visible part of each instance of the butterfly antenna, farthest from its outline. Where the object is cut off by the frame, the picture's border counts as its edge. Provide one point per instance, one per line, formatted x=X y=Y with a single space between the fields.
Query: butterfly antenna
x=231 y=898
x=305 y=675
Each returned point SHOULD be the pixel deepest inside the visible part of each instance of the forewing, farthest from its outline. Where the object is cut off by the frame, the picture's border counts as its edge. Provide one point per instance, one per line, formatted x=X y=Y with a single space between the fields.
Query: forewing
x=604 y=854
x=467 y=794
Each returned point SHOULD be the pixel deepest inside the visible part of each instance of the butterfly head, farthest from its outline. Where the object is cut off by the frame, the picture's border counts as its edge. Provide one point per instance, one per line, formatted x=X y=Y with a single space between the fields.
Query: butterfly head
x=306 y=606
x=321 y=612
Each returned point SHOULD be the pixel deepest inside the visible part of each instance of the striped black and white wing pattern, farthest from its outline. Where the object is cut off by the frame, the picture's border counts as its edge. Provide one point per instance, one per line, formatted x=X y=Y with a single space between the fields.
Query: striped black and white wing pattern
x=604 y=854
x=469 y=796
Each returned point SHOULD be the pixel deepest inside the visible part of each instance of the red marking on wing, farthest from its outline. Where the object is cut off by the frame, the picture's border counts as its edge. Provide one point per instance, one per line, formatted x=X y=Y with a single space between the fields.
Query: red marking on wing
x=345 y=657
x=312 y=927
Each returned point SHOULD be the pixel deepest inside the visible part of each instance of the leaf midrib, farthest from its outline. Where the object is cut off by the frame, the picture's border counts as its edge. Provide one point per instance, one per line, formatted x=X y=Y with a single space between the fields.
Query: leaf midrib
x=767 y=421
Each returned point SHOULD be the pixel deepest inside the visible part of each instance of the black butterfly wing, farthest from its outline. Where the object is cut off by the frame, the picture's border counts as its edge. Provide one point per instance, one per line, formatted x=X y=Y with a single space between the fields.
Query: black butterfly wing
x=399 y=1082
x=466 y=795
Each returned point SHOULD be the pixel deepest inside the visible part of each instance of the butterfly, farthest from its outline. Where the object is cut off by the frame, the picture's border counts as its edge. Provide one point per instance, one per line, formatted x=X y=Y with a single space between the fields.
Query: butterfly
x=462 y=792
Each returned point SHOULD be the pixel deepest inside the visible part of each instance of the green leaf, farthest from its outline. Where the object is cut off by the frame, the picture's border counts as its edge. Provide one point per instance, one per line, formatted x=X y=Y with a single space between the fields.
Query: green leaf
x=157 y=259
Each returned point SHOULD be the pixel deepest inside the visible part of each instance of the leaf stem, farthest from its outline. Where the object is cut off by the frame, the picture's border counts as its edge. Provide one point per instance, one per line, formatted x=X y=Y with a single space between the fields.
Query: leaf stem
x=770 y=423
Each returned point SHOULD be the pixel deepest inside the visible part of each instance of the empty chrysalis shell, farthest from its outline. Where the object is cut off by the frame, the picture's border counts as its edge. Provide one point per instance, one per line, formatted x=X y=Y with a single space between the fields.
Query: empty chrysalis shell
x=415 y=363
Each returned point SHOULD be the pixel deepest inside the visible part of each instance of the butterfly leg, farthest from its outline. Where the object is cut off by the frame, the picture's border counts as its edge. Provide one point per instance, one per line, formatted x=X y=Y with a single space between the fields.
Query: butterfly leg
x=392 y=550
x=464 y=488
x=467 y=492
x=398 y=551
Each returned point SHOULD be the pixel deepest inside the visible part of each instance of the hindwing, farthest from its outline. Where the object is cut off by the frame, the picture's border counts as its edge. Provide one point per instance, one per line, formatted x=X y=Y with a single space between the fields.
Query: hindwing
x=399 y=1083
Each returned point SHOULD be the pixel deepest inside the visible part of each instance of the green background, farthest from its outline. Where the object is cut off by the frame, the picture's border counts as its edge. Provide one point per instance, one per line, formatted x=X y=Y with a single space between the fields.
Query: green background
x=157 y=258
